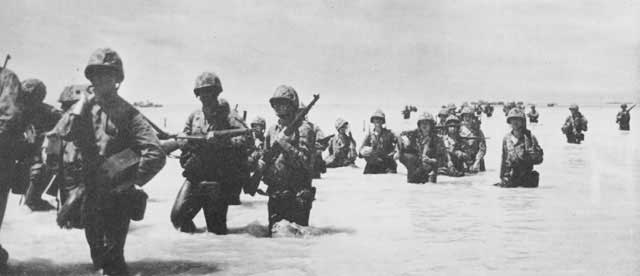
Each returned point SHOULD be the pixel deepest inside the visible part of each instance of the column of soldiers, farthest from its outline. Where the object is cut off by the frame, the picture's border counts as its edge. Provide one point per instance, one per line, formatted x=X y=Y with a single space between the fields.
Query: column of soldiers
x=99 y=151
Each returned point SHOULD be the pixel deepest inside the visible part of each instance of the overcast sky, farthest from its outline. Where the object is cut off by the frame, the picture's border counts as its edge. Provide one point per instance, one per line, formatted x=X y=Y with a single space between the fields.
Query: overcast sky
x=349 y=51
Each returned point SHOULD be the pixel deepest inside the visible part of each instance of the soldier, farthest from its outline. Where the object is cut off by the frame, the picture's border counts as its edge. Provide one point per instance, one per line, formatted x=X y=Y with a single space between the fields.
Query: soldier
x=41 y=118
x=574 y=125
x=488 y=110
x=442 y=121
x=380 y=147
x=520 y=151
x=422 y=151
x=453 y=144
x=63 y=158
x=258 y=125
x=289 y=178
x=214 y=169
x=342 y=147
x=109 y=133
x=474 y=144
x=11 y=128
x=623 y=117
x=533 y=115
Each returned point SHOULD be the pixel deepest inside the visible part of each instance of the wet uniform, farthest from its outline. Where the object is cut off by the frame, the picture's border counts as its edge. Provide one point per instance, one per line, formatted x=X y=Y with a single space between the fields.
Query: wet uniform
x=422 y=155
x=518 y=157
x=383 y=147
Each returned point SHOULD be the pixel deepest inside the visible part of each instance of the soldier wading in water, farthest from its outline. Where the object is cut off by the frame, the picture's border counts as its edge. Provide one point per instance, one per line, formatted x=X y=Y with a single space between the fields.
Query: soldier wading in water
x=520 y=152
x=110 y=133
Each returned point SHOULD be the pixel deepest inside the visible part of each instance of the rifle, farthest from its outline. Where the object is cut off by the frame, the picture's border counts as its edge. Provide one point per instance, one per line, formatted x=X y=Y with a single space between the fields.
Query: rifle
x=271 y=154
x=171 y=144
x=6 y=59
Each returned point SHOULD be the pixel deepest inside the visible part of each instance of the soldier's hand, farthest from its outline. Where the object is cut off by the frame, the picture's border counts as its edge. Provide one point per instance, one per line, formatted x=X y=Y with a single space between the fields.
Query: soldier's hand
x=211 y=138
x=238 y=141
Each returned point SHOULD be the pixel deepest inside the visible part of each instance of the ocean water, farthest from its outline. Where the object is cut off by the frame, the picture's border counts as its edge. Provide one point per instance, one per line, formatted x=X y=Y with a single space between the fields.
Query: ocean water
x=584 y=219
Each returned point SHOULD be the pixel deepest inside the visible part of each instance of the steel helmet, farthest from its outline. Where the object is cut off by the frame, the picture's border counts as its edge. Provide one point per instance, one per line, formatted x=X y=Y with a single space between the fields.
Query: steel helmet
x=340 y=123
x=104 y=58
x=623 y=105
x=452 y=120
x=378 y=114
x=72 y=93
x=34 y=90
x=285 y=92
x=426 y=116
x=208 y=80
x=467 y=110
x=573 y=107
x=515 y=113
x=443 y=113
x=259 y=121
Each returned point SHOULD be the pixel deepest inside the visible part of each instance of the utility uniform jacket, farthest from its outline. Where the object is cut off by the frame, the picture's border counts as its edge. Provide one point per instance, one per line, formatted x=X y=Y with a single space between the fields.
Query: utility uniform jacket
x=218 y=161
x=292 y=169
x=519 y=154
x=103 y=129
x=342 y=146
x=427 y=147
x=383 y=144
x=475 y=148
x=11 y=121
x=575 y=125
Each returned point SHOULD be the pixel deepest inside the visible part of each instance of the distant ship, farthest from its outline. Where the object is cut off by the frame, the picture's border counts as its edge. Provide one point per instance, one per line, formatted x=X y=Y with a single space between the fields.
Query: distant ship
x=551 y=104
x=146 y=104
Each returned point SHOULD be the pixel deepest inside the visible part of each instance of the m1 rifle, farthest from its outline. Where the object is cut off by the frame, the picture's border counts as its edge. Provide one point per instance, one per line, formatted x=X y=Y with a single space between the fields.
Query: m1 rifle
x=6 y=59
x=272 y=153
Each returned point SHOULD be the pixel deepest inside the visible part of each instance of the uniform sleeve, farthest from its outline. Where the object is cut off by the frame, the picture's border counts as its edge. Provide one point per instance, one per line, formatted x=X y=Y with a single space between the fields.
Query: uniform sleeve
x=145 y=141
x=482 y=146
x=365 y=143
x=188 y=125
x=503 y=162
x=535 y=153
x=10 y=109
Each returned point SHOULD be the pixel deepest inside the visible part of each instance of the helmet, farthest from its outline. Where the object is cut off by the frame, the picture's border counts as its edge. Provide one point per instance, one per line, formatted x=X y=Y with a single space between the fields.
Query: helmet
x=452 y=120
x=104 y=58
x=467 y=110
x=340 y=123
x=573 y=107
x=623 y=105
x=426 y=116
x=285 y=92
x=223 y=106
x=515 y=113
x=378 y=114
x=443 y=112
x=72 y=93
x=206 y=80
x=259 y=121
x=34 y=90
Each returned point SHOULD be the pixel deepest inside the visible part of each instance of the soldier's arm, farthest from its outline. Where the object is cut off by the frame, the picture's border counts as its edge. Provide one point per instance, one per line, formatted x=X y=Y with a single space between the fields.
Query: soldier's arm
x=503 y=162
x=145 y=141
x=11 y=111
x=482 y=146
x=535 y=153
x=365 y=143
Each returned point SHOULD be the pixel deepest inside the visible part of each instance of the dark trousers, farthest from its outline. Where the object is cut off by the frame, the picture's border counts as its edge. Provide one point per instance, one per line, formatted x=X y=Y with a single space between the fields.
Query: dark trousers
x=207 y=196
x=106 y=228
x=288 y=208
x=416 y=171
x=383 y=165
x=574 y=138
x=38 y=180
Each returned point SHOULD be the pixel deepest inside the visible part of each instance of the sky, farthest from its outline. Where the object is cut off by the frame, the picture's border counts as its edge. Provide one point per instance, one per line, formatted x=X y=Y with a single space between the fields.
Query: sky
x=351 y=52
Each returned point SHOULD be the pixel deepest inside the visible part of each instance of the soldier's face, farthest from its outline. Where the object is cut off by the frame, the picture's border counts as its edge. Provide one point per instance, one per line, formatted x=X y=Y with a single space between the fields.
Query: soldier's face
x=103 y=83
x=425 y=126
x=452 y=130
x=343 y=129
x=282 y=108
x=377 y=122
x=208 y=97
x=516 y=123
x=467 y=118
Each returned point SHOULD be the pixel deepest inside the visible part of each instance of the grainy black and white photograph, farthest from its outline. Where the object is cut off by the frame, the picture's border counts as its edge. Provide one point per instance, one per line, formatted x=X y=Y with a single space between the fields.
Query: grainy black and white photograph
x=329 y=137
